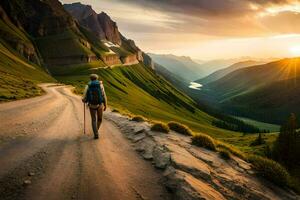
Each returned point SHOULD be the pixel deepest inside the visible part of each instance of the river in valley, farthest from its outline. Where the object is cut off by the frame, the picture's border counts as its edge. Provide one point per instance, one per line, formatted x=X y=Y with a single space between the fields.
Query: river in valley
x=195 y=86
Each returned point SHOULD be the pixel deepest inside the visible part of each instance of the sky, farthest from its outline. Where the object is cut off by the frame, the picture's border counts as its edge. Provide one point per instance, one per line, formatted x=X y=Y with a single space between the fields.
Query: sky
x=208 y=29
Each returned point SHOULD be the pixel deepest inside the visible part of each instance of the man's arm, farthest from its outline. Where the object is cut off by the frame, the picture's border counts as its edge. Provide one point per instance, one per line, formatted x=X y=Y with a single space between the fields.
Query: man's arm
x=104 y=95
x=84 y=98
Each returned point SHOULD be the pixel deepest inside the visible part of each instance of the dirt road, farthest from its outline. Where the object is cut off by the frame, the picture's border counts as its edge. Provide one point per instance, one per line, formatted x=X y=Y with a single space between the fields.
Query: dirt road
x=44 y=154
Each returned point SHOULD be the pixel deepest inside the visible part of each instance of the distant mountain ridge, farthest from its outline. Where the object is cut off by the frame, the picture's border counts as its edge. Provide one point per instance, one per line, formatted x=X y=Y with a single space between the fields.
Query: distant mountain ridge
x=253 y=76
x=190 y=69
x=267 y=92
x=181 y=66
x=222 y=72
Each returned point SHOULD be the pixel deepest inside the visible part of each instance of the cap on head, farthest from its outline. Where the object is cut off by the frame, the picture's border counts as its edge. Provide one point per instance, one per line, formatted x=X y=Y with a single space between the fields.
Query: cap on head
x=93 y=77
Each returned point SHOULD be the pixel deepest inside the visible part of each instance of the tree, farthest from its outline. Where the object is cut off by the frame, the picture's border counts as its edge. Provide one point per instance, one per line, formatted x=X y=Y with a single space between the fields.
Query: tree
x=258 y=141
x=286 y=148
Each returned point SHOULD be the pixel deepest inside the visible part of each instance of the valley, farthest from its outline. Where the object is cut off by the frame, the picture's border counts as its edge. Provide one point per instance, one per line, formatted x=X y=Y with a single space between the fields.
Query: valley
x=266 y=92
x=47 y=52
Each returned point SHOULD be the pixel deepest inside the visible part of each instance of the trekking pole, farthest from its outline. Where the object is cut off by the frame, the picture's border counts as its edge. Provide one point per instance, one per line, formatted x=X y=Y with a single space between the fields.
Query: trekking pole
x=84 y=118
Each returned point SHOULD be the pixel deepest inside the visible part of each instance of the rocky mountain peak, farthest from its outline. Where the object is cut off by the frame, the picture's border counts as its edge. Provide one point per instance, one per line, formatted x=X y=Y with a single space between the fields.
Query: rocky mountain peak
x=110 y=28
x=100 y=24
x=49 y=17
x=79 y=10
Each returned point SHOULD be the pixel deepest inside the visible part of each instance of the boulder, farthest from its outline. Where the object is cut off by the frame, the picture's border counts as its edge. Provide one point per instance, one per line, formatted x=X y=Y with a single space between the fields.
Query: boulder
x=187 y=187
x=161 y=157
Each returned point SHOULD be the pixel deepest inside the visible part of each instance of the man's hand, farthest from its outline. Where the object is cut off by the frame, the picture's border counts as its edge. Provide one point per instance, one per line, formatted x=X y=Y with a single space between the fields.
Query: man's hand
x=104 y=107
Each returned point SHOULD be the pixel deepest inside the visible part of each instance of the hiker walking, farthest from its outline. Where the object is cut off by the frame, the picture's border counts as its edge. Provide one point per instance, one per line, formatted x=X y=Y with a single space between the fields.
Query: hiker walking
x=94 y=95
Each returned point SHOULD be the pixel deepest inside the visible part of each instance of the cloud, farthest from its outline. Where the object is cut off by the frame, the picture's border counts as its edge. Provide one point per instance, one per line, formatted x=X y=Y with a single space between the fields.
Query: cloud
x=210 y=8
x=228 y=18
x=284 y=22
x=207 y=8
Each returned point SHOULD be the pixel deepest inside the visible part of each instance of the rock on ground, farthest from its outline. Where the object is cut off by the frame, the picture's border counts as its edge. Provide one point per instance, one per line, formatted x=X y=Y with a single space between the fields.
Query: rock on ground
x=193 y=173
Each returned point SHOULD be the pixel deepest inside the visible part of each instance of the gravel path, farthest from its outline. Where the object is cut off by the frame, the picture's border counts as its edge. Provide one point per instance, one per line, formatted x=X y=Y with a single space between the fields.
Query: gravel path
x=44 y=154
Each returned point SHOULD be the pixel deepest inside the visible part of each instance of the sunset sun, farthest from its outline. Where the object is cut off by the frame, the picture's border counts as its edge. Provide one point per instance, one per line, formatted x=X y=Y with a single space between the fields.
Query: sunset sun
x=150 y=99
x=295 y=50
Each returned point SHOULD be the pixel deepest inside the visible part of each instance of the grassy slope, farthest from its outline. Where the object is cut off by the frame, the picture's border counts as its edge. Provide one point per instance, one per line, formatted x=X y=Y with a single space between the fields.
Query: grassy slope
x=18 y=78
x=134 y=88
x=7 y=29
x=98 y=47
x=250 y=78
x=261 y=125
x=263 y=92
x=68 y=43
x=222 y=72
x=277 y=99
x=137 y=90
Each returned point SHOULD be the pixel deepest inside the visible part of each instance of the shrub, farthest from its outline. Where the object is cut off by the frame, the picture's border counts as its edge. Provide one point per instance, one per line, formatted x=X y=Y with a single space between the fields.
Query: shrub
x=224 y=154
x=270 y=169
x=180 y=128
x=138 y=118
x=286 y=147
x=203 y=140
x=258 y=141
x=115 y=110
x=160 y=127
x=232 y=150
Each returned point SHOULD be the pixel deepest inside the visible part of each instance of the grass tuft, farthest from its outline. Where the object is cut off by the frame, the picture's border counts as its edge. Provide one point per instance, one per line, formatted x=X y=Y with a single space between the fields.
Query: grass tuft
x=138 y=118
x=225 y=154
x=203 y=140
x=270 y=170
x=160 y=127
x=231 y=149
x=180 y=128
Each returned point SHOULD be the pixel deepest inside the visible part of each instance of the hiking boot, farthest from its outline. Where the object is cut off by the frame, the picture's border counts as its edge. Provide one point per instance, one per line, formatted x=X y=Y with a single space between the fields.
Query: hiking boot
x=96 y=137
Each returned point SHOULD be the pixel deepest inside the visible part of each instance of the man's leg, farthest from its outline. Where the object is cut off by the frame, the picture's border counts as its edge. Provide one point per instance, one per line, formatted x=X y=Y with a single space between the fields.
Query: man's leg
x=94 y=121
x=99 y=116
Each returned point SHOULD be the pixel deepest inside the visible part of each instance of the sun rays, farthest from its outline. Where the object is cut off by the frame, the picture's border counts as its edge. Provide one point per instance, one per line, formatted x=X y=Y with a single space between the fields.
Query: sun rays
x=290 y=69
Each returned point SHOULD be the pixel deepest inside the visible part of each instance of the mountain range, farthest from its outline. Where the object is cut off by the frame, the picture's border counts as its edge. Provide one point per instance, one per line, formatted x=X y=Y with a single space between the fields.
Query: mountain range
x=85 y=38
x=267 y=92
x=181 y=66
x=75 y=38
x=222 y=72
x=68 y=42
x=45 y=41
x=190 y=69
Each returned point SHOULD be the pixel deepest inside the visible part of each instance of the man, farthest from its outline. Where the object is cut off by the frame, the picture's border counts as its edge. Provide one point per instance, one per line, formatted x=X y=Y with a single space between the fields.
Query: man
x=94 y=95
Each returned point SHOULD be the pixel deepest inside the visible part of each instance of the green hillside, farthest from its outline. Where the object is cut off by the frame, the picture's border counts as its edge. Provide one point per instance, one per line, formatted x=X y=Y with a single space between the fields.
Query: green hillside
x=69 y=51
x=278 y=99
x=250 y=78
x=72 y=47
x=266 y=92
x=55 y=33
x=97 y=46
x=138 y=90
x=18 y=78
x=223 y=72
